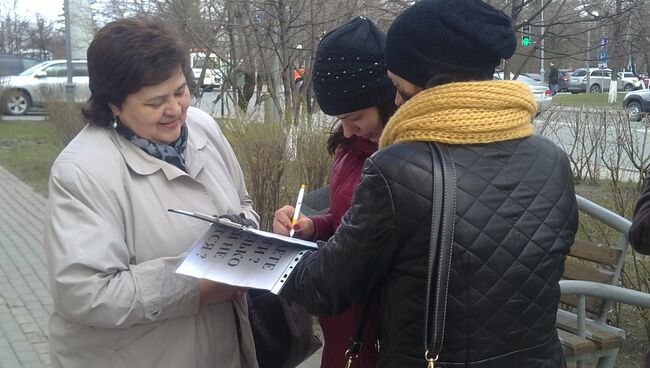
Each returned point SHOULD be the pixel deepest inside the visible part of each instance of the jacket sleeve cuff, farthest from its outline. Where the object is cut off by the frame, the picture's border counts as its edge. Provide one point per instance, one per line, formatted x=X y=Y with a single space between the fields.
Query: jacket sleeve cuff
x=164 y=293
x=322 y=227
x=353 y=261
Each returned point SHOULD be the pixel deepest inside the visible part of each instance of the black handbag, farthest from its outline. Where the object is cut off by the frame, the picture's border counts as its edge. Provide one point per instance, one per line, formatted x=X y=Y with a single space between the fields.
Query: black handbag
x=283 y=332
x=443 y=211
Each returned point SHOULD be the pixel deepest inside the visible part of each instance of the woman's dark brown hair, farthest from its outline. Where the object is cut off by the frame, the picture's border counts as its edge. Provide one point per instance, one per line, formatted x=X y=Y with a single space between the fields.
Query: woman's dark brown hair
x=454 y=75
x=459 y=75
x=127 y=55
x=337 y=139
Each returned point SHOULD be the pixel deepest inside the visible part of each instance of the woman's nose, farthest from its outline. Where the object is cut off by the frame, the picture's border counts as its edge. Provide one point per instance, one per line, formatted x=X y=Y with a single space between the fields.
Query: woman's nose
x=348 y=129
x=398 y=99
x=173 y=107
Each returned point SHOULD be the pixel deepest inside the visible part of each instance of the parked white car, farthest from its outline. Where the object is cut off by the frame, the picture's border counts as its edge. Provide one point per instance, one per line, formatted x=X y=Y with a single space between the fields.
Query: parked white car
x=629 y=82
x=42 y=83
x=541 y=92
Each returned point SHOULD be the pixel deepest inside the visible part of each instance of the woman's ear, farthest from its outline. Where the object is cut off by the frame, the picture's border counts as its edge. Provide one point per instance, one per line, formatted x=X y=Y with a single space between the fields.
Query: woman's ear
x=114 y=109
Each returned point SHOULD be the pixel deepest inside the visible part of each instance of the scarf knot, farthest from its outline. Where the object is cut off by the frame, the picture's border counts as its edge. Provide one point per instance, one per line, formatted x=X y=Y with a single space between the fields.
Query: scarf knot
x=172 y=153
x=464 y=113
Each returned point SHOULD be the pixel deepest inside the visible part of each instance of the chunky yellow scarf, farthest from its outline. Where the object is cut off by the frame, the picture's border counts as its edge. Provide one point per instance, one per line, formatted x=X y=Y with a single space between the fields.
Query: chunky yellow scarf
x=464 y=113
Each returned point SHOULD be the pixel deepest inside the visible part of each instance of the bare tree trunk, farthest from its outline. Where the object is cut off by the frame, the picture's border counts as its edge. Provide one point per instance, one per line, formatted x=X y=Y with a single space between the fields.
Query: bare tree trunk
x=514 y=14
x=286 y=67
x=616 y=45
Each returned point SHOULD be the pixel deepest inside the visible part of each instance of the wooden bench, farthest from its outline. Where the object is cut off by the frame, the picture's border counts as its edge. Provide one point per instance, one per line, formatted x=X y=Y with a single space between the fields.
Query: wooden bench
x=589 y=286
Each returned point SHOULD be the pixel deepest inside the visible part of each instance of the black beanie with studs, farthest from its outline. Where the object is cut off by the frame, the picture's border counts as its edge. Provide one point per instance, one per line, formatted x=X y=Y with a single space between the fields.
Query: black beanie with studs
x=437 y=36
x=349 y=72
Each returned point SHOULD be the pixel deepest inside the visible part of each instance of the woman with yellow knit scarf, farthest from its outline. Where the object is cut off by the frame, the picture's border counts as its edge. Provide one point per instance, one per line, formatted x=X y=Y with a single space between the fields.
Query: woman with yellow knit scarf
x=463 y=218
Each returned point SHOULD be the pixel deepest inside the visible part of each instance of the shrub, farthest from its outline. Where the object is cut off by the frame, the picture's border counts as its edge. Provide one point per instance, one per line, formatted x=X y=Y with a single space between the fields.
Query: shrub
x=312 y=163
x=67 y=121
x=273 y=176
x=261 y=151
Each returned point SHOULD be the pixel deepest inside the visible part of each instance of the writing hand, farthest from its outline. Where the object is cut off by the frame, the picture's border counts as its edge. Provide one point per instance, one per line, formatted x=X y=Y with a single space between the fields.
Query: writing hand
x=304 y=228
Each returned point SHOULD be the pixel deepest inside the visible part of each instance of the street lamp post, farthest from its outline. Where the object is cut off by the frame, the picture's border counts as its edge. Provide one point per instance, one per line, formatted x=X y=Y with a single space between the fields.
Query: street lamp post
x=584 y=13
x=69 y=86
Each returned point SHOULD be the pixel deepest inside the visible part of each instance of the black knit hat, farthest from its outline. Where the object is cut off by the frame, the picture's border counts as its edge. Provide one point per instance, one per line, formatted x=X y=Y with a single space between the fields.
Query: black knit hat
x=434 y=36
x=349 y=70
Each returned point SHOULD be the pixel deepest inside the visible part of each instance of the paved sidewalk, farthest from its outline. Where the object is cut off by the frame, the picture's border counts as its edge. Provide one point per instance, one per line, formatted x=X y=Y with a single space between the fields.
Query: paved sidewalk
x=25 y=301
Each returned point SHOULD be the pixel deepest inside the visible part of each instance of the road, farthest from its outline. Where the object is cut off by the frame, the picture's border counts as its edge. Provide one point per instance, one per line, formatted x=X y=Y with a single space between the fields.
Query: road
x=605 y=132
x=32 y=115
x=206 y=103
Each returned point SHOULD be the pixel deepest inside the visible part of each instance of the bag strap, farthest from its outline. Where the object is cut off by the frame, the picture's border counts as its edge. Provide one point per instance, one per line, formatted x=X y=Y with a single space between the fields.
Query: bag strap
x=443 y=211
x=355 y=347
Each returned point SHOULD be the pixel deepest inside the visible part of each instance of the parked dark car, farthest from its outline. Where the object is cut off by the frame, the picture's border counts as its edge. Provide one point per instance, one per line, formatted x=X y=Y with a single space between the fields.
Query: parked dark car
x=637 y=104
x=563 y=80
x=15 y=64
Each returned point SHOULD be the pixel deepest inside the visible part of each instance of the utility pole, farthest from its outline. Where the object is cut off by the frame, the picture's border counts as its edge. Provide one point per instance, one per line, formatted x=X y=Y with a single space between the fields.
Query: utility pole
x=541 y=48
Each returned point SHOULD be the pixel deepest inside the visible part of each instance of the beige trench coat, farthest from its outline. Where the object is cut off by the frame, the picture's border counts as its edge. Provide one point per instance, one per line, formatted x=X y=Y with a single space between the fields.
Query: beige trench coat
x=112 y=247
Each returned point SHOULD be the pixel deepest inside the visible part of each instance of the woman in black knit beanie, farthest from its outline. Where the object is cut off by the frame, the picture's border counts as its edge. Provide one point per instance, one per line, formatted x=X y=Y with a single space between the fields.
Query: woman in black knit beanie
x=351 y=84
x=462 y=219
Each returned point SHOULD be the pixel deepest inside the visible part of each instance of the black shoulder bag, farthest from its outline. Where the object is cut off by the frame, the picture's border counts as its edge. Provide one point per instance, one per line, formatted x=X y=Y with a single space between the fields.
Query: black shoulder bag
x=443 y=211
x=283 y=332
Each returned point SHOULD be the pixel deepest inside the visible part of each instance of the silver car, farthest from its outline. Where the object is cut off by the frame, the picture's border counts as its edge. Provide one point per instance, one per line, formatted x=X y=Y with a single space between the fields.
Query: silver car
x=637 y=104
x=42 y=83
x=599 y=80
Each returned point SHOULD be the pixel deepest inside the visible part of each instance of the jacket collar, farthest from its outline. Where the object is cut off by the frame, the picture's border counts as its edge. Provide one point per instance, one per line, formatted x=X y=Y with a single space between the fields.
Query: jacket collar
x=365 y=146
x=360 y=146
x=143 y=163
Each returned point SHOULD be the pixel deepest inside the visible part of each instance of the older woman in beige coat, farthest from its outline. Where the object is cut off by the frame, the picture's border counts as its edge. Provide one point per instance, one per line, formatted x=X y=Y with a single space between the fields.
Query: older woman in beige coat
x=112 y=245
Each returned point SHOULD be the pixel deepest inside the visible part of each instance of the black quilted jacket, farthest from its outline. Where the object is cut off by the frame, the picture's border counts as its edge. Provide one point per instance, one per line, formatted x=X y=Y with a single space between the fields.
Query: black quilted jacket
x=516 y=217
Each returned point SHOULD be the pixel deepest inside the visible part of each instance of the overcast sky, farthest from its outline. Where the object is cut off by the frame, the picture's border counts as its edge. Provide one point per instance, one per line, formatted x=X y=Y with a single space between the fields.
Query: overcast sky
x=50 y=9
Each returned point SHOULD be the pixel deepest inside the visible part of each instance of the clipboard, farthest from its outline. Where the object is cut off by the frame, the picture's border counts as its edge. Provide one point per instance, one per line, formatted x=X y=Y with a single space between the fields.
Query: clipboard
x=238 y=255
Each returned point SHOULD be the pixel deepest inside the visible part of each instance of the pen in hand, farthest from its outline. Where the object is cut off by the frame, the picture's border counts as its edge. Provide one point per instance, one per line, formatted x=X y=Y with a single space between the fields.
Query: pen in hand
x=296 y=211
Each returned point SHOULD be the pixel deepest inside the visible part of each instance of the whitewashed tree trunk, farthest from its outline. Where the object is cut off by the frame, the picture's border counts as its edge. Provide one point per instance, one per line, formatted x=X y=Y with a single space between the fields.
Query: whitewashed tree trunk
x=613 y=91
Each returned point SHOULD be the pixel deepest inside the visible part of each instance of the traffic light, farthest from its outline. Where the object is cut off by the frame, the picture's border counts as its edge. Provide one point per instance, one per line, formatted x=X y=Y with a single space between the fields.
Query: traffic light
x=525 y=35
